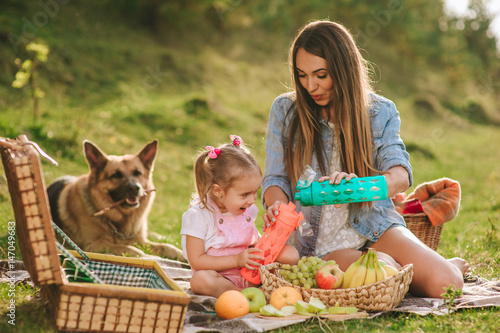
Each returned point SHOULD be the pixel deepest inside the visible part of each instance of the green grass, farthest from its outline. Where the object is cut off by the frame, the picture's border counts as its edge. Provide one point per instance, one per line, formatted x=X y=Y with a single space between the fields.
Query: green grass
x=207 y=91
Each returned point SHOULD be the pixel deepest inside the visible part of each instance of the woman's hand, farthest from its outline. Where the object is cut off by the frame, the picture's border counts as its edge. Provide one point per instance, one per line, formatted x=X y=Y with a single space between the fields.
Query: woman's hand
x=336 y=177
x=246 y=258
x=270 y=216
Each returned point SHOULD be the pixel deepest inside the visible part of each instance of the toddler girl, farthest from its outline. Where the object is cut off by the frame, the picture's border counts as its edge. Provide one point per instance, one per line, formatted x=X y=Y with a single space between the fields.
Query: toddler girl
x=218 y=229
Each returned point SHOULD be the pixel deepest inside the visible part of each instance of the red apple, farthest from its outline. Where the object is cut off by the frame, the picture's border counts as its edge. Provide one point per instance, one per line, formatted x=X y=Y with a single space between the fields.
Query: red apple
x=329 y=277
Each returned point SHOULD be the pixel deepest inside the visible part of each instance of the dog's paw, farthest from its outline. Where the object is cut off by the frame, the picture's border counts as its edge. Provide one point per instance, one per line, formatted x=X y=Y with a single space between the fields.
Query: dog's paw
x=156 y=236
x=167 y=251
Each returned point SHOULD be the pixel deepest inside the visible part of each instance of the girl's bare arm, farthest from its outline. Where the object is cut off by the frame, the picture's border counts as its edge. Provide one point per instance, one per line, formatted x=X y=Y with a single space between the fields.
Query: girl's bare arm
x=199 y=260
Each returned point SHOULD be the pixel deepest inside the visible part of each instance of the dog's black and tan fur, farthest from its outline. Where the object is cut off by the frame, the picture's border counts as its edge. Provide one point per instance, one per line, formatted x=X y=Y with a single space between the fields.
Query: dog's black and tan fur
x=107 y=209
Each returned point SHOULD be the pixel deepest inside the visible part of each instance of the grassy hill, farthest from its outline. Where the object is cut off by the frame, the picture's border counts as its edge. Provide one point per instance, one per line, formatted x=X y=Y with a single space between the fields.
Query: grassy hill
x=121 y=80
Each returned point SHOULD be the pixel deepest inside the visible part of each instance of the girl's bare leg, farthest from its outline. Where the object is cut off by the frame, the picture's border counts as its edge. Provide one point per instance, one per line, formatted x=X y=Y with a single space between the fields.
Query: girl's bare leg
x=210 y=283
x=431 y=272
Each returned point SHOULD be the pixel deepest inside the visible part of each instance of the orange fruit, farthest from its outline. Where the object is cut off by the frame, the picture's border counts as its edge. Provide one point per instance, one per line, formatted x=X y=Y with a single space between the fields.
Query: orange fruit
x=231 y=304
x=285 y=296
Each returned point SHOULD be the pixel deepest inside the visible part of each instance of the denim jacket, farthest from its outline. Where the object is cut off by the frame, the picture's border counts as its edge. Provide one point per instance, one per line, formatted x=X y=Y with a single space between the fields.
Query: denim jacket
x=388 y=151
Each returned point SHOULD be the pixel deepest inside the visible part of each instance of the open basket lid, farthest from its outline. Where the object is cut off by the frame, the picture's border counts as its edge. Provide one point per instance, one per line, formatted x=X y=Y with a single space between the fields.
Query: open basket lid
x=21 y=160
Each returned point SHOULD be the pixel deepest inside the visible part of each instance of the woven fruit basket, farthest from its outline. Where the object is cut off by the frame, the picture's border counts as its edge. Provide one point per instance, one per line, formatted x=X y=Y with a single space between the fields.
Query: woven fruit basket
x=423 y=228
x=112 y=302
x=379 y=296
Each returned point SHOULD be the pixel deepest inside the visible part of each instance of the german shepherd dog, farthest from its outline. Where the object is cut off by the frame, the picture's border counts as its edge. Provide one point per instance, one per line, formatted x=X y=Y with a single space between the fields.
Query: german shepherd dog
x=106 y=210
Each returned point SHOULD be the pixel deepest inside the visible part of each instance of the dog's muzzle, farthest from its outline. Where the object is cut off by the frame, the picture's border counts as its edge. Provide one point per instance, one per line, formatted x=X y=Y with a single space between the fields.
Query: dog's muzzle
x=129 y=193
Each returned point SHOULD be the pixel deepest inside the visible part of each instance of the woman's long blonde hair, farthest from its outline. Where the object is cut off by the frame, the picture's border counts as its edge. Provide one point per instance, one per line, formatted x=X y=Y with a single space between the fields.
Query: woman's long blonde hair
x=351 y=98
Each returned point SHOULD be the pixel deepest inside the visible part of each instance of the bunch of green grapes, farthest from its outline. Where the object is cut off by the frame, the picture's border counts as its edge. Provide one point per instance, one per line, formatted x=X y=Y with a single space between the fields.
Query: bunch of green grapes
x=304 y=273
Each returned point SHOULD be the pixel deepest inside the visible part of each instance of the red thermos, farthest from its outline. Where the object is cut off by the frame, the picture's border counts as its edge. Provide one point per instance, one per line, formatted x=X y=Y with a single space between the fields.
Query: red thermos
x=274 y=238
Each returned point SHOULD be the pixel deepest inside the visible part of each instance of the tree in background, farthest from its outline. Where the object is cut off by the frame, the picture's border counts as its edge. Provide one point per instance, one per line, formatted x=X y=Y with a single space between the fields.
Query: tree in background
x=28 y=73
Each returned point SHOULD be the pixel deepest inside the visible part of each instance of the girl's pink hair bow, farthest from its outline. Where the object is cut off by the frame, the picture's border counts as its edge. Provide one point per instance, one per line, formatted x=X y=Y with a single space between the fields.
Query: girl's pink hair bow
x=236 y=140
x=212 y=152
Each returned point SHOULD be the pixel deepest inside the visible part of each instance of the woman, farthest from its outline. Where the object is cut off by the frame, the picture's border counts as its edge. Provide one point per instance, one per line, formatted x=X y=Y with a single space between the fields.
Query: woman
x=334 y=122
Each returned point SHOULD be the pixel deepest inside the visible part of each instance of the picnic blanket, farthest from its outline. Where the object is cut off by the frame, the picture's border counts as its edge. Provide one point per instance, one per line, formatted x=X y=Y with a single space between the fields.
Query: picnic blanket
x=440 y=199
x=477 y=292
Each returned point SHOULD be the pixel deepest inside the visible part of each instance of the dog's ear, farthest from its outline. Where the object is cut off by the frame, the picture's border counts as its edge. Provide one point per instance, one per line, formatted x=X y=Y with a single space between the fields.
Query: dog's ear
x=148 y=154
x=95 y=157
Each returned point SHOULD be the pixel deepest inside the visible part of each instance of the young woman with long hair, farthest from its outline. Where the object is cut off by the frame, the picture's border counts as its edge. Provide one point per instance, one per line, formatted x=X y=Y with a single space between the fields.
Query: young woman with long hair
x=334 y=122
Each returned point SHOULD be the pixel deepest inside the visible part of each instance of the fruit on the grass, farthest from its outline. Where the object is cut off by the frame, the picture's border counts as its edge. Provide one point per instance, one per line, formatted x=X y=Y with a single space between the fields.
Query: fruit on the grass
x=284 y=295
x=303 y=308
x=256 y=298
x=231 y=304
x=390 y=271
x=316 y=305
x=329 y=277
x=289 y=310
x=270 y=310
x=337 y=309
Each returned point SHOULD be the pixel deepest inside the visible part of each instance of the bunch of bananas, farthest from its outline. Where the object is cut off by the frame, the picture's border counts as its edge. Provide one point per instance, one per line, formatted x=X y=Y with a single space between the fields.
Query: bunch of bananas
x=367 y=270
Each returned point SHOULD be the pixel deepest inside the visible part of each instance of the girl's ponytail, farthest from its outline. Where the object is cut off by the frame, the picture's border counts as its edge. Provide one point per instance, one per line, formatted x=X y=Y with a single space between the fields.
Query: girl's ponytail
x=202 y=177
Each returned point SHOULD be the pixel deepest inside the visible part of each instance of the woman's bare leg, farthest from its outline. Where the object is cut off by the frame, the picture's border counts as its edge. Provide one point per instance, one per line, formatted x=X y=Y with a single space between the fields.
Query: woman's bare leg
x=288 y=255
x=431 y=272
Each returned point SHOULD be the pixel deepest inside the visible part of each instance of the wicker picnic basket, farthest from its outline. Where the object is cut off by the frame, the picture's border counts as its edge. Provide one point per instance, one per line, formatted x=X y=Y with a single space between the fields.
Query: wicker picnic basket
x=132 y=295
x=380 y=296
x=423 y=228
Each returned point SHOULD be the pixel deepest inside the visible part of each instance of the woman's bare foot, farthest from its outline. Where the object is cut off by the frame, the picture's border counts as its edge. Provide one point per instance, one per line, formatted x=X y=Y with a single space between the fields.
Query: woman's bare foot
x=461 y=264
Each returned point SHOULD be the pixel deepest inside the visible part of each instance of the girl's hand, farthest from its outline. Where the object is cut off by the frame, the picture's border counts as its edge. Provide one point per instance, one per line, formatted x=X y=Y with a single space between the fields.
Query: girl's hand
x=270 y=216
x=336 y=177
x=245 y=258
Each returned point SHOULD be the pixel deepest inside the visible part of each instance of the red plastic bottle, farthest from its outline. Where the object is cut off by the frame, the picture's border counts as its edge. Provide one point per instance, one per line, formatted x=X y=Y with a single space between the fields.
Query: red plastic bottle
x=274 y=238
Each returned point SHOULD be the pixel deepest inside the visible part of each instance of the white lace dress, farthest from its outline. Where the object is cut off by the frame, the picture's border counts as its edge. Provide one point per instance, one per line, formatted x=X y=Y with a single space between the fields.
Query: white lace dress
x=335 y=232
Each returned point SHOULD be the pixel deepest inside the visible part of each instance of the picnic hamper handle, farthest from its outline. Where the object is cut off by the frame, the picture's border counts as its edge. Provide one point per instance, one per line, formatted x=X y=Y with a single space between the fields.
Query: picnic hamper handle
x=22 y=140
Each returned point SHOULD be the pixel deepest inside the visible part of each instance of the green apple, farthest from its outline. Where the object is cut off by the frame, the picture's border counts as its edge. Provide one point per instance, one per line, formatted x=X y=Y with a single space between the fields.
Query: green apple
x=316 y=305
x=303 y=308
x=256 y=298
x=279 y=313
x=289 y=310
x=342 y=309
x=268 y=310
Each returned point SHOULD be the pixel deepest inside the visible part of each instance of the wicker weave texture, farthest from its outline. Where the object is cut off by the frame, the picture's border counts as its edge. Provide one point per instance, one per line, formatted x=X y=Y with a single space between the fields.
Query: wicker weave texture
x=380 y=296
x=422 y=227
x=110 y=314
x=30 y=212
